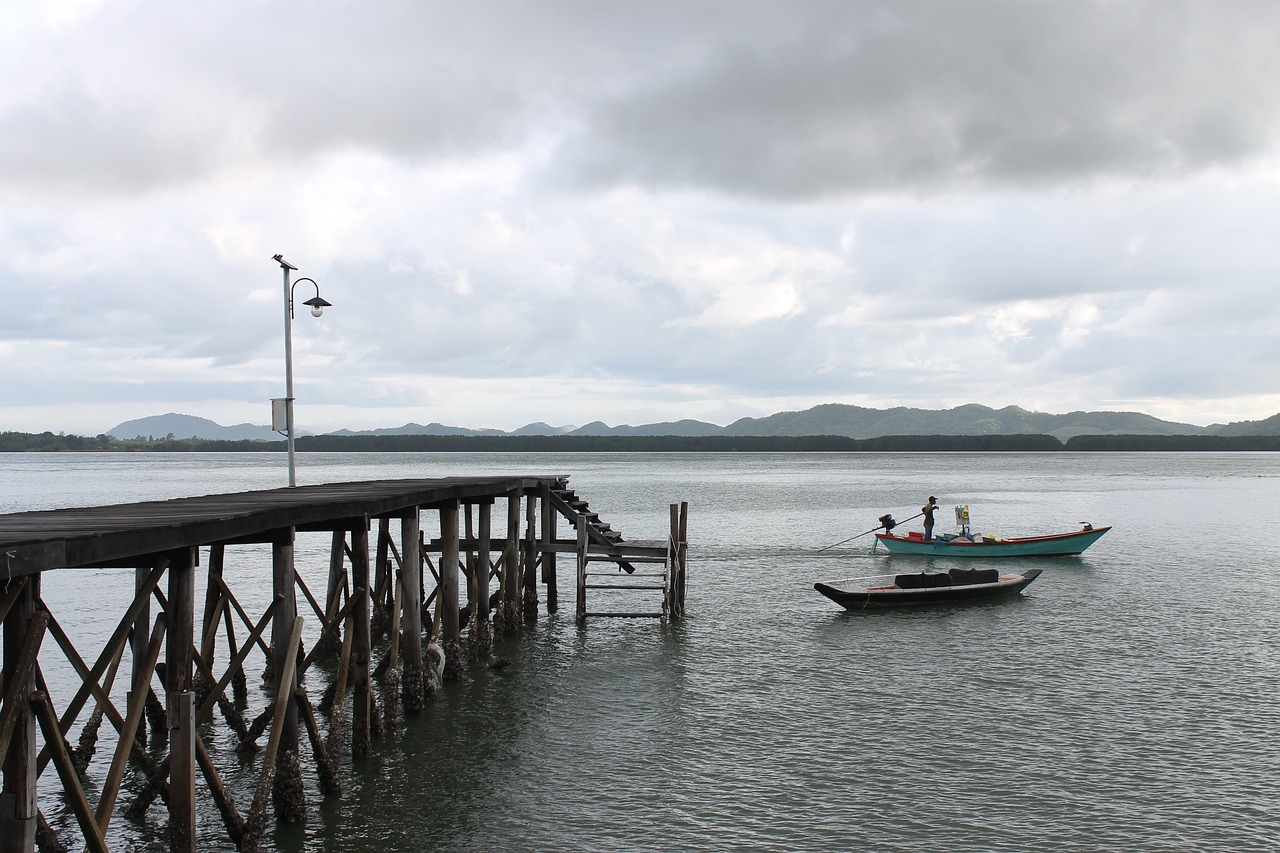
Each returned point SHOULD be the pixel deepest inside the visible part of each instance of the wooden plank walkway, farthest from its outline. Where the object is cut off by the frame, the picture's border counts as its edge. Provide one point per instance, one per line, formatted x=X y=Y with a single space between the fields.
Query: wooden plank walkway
x=120 y=534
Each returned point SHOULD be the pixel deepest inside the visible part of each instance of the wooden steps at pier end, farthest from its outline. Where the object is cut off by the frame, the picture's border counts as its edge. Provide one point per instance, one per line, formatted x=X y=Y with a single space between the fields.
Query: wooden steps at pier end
x=600 y=544
x=573 y=507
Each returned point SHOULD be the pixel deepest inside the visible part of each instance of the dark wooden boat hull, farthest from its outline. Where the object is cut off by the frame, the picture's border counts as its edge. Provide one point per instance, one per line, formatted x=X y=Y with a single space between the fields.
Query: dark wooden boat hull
x=864 y=598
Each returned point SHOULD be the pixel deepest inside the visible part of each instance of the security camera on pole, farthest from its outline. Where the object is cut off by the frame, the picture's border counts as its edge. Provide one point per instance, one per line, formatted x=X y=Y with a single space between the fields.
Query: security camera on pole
x=282 y=407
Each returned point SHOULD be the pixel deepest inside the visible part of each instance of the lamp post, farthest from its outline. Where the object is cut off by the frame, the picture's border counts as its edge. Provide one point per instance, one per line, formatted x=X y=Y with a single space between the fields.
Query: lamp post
x=282 y=408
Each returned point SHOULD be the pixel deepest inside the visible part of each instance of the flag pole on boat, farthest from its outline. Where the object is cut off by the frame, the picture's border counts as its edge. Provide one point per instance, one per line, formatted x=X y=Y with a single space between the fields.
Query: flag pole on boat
x=886 y=521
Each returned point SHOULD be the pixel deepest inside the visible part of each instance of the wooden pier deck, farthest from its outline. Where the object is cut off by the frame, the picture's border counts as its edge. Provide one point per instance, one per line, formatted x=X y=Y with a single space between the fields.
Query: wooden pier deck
x=377 y=601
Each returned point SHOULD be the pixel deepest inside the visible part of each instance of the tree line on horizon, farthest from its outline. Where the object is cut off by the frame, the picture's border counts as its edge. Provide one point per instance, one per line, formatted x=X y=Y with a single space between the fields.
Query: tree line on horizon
x=19 y=442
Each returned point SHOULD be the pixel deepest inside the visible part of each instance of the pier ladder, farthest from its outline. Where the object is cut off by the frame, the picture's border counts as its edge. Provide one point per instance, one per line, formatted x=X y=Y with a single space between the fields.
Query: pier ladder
x=652 y=569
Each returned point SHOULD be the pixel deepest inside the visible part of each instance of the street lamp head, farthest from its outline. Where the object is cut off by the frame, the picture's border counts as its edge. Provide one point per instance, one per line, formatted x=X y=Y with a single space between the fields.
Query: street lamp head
x=317 y=305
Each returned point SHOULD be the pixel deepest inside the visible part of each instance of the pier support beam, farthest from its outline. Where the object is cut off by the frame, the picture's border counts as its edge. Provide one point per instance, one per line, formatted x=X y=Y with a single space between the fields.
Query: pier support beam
x=18 y=794
x=336 y=587
x=450 y=630
x=141 y=634
x=287 y=789
x=581 y=609
x=213 y=605
x=509 y=584
x=528 y=576
x=549 y=519
x=180 y=700
x=678 y=551
x=481 y=634
x=361 y=698
x=414 y=685
x=384 y=580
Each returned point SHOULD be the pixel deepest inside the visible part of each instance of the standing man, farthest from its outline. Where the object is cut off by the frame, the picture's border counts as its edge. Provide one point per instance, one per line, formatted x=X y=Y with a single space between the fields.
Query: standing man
x=928 y=509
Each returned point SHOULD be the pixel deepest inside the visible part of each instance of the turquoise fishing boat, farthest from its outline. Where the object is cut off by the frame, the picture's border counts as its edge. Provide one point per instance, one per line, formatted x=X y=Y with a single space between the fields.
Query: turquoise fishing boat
x=977 y=546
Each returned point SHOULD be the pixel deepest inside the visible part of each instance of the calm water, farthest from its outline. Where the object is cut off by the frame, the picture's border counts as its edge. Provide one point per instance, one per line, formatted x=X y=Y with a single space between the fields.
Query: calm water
x=1127 y=701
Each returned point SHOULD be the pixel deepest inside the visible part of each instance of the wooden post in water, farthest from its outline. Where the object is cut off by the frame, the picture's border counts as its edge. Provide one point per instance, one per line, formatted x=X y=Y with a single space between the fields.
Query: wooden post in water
x=414 y=687
x=582 y=570
x=549 y=519
x=141 y=634
x=684 y=556
x=450 y=631
x=677 y=554
x=468 y=557
x=212 y=596
x=18 y=794
x=180 y=700
x=509 y=583
x=337 y=583
x=481 y=628
x=381 y=580
x=529 y=576
x=287 y=777
x=360 y=643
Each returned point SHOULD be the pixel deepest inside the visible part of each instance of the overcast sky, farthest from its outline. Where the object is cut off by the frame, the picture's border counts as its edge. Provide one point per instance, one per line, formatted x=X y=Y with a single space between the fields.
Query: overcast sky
x=637 y=212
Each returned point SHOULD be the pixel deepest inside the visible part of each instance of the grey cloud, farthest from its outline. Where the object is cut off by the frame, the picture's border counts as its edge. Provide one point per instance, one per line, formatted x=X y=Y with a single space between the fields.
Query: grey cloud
x=935 y=96
x=70 y=139
x=791 y=100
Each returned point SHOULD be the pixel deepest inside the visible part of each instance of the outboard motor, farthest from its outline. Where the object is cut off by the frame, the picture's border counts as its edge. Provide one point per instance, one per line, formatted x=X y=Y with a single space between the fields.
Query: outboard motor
x=887 y=522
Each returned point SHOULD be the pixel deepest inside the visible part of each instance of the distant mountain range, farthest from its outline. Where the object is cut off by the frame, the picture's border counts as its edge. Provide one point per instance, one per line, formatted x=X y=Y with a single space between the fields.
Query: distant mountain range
x=828 y=419
x=190 y=426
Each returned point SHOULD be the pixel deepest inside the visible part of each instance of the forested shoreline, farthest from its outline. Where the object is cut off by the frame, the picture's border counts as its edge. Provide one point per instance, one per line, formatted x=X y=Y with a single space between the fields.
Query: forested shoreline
x=19 y=442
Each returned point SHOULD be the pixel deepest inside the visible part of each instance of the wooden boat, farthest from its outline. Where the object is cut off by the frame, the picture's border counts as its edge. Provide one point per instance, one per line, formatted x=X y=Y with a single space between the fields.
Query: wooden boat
x=957 y=586
x=1057 y=545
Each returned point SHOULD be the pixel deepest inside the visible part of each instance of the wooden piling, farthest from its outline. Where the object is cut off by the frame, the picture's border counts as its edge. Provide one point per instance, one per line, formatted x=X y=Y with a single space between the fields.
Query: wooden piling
x=336 y=586
x=141 y=631
x=214 y=604
x=581 y=609
x=361 y=644
x=179 y=700
x=468 y=555
x=287 y=786
x=383 y=577
x=391 y=686
x=682 y=558
x=23 y=631
x=510 y=578
x=481 y=634
x=528 y=575
x=338 y=710
x=413 y=686
x=550 y=519
x=447 y=606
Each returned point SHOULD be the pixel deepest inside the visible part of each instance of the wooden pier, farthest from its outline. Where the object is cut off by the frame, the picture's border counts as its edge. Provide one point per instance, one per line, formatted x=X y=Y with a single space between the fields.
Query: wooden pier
x=391 y=616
